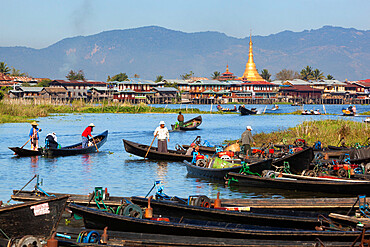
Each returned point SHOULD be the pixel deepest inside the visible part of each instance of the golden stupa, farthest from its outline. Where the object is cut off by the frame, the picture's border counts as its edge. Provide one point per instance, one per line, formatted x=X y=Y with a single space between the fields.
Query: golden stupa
x=250 y=73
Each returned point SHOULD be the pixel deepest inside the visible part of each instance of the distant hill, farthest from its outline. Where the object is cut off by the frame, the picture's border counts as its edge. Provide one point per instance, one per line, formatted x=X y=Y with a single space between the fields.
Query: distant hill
x=151 y=51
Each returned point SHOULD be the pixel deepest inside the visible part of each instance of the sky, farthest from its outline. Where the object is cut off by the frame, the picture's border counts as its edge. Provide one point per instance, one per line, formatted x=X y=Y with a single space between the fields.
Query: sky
x=40 y=23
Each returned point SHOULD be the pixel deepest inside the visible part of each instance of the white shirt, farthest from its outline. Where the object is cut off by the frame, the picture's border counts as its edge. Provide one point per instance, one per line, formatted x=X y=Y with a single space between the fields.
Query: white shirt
x=162 y=133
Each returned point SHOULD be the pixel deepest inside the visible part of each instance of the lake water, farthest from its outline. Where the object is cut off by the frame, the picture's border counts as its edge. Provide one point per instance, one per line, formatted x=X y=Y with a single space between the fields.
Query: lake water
x=124 y=174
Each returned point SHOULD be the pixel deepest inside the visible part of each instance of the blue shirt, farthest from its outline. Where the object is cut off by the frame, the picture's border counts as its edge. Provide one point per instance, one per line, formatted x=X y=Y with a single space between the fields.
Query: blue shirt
x=31 y=133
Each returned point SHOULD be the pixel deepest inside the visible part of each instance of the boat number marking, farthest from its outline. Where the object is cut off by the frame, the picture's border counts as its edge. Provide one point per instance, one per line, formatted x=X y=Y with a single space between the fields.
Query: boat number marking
x=41 y=209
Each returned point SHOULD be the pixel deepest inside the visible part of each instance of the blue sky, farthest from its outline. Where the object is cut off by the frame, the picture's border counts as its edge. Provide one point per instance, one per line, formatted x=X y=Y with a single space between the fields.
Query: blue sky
x=40 y=23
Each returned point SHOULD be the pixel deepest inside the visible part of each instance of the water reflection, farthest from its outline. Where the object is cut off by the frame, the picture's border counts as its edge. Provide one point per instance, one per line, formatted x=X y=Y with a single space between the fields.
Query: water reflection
x=34 y=164
x=162 y=170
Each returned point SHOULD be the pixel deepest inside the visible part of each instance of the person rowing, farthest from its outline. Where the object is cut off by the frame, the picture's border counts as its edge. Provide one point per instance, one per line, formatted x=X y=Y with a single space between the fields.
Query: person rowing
x=180 y=118
x=85 y=135
x=34 y=136
x=162 y=133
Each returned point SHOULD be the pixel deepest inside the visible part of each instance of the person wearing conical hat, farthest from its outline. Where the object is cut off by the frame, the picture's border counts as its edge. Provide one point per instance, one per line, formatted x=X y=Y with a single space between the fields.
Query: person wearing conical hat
x=162 y=133
x=85 y=135
x=34 y=136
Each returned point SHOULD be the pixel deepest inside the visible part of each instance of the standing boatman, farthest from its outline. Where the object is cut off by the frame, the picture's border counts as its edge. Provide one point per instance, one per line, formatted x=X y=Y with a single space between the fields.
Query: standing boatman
x=246 y=141
x=34 y=136
x=162 y=133
x=85 y=135
x=180 y=118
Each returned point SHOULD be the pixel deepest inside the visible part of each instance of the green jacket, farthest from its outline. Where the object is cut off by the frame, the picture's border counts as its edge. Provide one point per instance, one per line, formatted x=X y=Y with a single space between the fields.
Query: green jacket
x=246 y=137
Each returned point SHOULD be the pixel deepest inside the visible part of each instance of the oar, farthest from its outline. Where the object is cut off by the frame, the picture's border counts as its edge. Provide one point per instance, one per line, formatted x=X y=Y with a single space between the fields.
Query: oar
x=22 y=188
x=95 y=144
x=149 y=147
x=30 y=139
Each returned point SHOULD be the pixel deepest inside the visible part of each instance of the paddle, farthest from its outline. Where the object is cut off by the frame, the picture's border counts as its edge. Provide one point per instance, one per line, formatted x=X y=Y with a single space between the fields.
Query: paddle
x=23 y=187
x=150 y=147
x=30 y=138
x=95 y=144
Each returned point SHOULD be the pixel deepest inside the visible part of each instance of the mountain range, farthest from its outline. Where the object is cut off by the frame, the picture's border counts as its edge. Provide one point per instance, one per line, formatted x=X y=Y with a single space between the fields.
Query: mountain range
x=152 y=51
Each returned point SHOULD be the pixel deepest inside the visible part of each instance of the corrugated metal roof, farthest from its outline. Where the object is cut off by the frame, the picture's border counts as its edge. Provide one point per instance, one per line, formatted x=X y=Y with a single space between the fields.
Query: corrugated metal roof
x=165 y=89
x=31 y=89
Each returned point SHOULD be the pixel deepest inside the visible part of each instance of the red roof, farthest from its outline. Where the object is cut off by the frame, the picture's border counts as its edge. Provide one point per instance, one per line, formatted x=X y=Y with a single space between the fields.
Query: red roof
x=364 y=83
x=4 y=77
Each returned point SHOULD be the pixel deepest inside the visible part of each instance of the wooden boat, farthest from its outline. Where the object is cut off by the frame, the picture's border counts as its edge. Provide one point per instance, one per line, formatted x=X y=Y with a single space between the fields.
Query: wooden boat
x=351 y=187
x=97 y=219
x=287 y=219
x=298 y=161
x=347 y=112
x=38 y=218
x=23 y=152
x=141 y=150
x=220 y=173
x=309 y=204
x=77 y=148
x=117 y=238
x=191 y=124
x=245 y=111
x=220 y=108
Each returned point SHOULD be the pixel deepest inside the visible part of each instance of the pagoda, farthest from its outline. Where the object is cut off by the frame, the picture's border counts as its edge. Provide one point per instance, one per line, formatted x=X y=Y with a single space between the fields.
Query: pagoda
x=250 y=73
x=227 y=76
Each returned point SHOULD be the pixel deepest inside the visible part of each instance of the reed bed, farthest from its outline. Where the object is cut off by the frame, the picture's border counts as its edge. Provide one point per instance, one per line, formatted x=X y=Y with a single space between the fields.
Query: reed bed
x=21 y=110
x=329 y=132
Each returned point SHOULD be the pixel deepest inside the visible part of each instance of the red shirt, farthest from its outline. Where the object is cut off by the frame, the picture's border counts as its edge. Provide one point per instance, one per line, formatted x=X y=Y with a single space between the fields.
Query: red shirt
x=87 y=132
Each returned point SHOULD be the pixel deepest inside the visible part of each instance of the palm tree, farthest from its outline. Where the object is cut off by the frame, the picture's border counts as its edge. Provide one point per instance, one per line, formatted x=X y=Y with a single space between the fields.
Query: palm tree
x=306 y=73
x=159 y=78
x=215 y=75
x=4 y=68
x=265 y=74
x=330 y=77
x=17 y=72
x=317 y=75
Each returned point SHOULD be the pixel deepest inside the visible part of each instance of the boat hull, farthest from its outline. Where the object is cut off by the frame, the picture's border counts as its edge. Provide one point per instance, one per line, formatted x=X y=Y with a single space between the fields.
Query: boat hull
x=141 y=150
x=38 y=218
x=189 y=125
x=335 y=187
x=76 y=148
x=256 y=167
x=22 y=152
x=98 y=220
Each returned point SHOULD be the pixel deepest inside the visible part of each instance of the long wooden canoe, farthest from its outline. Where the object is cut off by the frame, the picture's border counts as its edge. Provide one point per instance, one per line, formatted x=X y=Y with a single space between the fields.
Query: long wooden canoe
x=220 y=173
x=287 y=219
x=77 y=148
x=141 y=150
x=38 y=218
x=191 y=124
x=351 y=187
x=97 y=219
x=23 y=152
x=245 y=111
x=307 y=204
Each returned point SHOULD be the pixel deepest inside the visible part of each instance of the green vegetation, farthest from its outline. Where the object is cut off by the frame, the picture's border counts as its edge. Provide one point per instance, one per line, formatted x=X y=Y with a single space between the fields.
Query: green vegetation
x=24 y=110
x=265 y=74
x=287 y=74
x=329 y=132
x=73 y=75
x=4 y=68
x=187 y=76
x=159 y=78
x=118 y=77
x=215 y=75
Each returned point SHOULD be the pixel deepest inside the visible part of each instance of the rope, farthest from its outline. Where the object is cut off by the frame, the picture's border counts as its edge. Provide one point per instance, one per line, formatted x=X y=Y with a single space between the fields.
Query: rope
x=4 y=234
